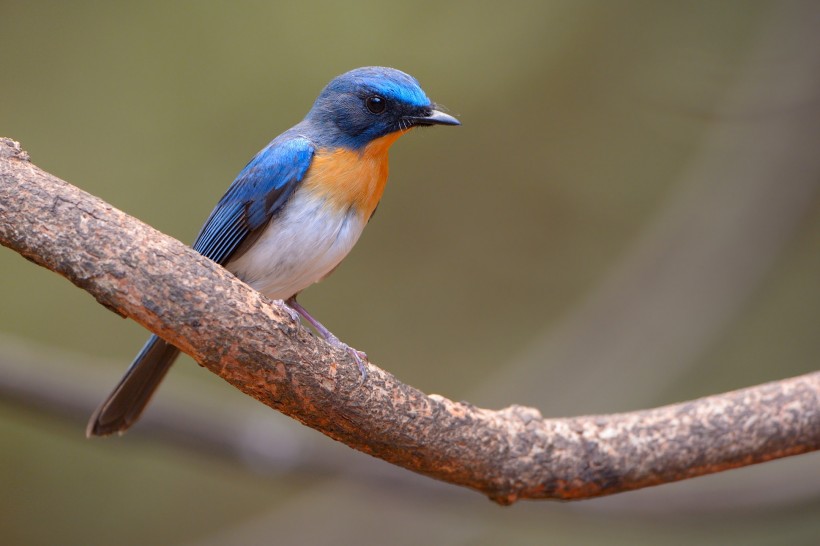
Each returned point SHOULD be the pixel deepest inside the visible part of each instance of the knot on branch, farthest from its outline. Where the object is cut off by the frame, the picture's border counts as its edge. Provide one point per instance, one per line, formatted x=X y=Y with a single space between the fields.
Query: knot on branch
x=11 y=149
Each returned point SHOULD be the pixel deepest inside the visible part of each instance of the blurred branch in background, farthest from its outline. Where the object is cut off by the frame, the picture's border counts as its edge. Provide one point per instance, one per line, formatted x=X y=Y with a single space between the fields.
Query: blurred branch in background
x=59 y=385
x=508 y=455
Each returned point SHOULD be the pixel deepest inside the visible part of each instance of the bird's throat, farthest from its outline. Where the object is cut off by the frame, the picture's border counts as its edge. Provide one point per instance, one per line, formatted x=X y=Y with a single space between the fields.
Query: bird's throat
x=347 y=178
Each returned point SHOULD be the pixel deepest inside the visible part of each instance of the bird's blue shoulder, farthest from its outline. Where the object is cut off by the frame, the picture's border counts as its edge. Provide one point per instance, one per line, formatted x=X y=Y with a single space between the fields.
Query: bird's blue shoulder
x=278 y=167
x=257 y=193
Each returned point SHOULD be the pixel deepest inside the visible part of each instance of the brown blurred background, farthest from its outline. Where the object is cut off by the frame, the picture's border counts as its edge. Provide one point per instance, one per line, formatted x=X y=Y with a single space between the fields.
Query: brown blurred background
x=628 y=217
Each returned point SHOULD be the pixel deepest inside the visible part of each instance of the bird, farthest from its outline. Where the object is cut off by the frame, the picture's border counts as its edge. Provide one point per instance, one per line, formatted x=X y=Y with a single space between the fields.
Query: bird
x=294 y=212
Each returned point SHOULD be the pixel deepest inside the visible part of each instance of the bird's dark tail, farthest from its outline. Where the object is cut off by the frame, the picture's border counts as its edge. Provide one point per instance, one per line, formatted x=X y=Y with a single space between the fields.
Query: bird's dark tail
x=126 y=402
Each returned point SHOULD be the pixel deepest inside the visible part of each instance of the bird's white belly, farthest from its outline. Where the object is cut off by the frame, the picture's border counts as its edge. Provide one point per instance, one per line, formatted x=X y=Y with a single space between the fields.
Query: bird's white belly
x=298 y=247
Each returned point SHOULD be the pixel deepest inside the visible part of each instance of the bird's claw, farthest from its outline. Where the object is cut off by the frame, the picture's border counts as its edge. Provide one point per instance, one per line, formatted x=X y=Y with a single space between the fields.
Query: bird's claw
x=294 y=306
x=294 y=315
x=360 y=357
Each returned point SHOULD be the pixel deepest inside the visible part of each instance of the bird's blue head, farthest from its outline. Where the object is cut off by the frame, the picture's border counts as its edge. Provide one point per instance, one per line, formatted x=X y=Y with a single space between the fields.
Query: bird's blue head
x=368 y=103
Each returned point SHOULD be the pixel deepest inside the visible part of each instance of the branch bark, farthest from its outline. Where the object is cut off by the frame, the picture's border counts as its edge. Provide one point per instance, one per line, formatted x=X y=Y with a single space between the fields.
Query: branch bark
x=255 y=345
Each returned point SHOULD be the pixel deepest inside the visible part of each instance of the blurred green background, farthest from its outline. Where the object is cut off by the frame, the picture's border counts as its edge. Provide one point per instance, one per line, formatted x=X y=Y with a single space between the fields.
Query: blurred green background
x=628 y=217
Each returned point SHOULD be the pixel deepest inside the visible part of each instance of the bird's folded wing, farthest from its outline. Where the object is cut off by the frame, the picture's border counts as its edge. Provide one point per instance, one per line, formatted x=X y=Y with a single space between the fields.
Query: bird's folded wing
x=258 y=192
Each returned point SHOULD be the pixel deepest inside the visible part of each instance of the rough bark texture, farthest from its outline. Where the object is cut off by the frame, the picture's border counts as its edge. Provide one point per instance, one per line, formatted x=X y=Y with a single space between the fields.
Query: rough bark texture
x=257 y=347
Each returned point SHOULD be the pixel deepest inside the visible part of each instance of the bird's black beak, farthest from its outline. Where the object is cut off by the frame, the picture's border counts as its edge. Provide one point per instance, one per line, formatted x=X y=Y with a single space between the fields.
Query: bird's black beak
x=435 y=117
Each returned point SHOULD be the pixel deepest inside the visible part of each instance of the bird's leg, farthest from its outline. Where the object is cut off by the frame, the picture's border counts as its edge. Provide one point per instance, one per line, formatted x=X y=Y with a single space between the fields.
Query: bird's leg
x=359 y=356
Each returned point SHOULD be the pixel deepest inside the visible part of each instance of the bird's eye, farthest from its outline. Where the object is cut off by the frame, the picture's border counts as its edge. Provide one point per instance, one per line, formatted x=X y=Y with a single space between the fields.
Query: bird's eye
x=375 y=104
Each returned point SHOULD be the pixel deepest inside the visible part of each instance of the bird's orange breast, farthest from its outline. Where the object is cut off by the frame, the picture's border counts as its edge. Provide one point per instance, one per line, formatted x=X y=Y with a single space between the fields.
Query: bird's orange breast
x=351 y=178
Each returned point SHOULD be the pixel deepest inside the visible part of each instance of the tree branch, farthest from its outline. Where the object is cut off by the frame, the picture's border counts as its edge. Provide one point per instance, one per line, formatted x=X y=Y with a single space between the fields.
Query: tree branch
x=256 y=346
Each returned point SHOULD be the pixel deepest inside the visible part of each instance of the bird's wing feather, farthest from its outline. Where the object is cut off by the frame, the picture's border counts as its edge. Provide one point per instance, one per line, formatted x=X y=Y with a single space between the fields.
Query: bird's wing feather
x=258 y=192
